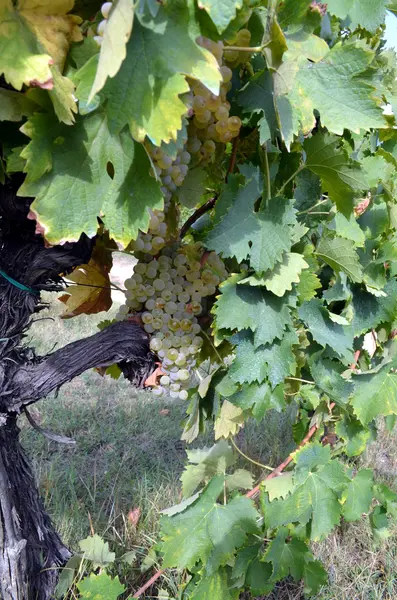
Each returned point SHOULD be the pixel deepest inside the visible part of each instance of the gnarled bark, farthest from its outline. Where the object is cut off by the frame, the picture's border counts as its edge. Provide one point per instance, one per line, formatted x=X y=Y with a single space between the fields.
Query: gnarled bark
x=31 y=551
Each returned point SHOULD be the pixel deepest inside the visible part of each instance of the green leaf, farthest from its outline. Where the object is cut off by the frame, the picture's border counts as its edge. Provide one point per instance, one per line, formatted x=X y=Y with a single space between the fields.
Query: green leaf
x=62 y=97
x=97 y=550
x=287 y=556
x=67 y=575
x=207 y=531
x=279 y=487
x=100 y=587
x=369 y=14
x=79 y=188
x=369 y=311
x=357 y=497
x=325 y=331
x=327 y=375
x=257 y=96
x=354 y=435
x=348 y=228
x=215 y=586
x=340 y=177
x=240 y=479
x=192 y=189
x=15 y=105
x=374 y=394
x=340 y=255
x=258 y=398
x=22 y=60
x=350 y=106
x=318 y=480
x=83 y=79
x=283 y=275
x=205 y=464
x=263 y=236
x=113 y=48
x=160 y=53
x=38 y=153
x=307 y=286
x=229 y=421
x=245 y=307
x=221 y=11
x=314 y=576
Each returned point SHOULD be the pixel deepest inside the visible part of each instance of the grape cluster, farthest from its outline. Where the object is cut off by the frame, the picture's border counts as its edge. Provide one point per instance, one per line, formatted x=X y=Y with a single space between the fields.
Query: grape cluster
x=105 y=10
x=210 y=121
x=171 y=172
x=237 y=57
x=168 y=291
x=154 y=240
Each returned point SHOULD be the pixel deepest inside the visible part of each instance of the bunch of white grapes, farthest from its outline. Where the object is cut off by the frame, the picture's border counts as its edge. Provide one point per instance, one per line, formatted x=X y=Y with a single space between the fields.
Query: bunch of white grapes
x=168 y=292
x=154 y=240
x=171 y=172
x=242 y=39
x=105 y=10
x=211 y=122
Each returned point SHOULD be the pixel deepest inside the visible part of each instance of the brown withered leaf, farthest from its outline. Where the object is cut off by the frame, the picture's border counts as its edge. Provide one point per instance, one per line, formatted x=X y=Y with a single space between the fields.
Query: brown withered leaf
x=92 y=294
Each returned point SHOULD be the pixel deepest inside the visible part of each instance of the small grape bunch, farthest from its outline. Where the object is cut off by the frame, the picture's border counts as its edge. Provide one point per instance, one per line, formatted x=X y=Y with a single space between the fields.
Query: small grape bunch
x=171 y=172
x=242 y=39
x=211 y=122
x=169 y=293
x=154 y=240
x=105 y=10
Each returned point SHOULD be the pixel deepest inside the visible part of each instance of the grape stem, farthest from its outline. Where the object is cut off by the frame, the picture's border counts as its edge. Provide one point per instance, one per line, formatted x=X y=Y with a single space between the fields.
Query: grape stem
x=244 y=48
x=254 y=462
x=196 y=215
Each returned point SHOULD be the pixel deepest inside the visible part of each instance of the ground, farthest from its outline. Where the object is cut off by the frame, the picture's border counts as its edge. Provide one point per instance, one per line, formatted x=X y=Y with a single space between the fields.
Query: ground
x=128 y=455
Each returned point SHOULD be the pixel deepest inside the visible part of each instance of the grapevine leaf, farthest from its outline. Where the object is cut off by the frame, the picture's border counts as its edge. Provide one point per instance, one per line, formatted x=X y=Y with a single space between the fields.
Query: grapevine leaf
x=375 y=394
x=79 y=188
x=62 y=97
x=354 y=434
x=84 y=299
x=177 y=508
x=257 y=96
x=229 y=421
x=38 y=153
x=113 y=48
x=21 y=59
x=283 y=275
x=258 y=398
x=215 y=586
x=205 y=464
x=100 y=587
x=153 y=76
x=287 y=557
x=325 y=331
x=318 y=480
x=357 y=497
x=314 y=576
x=279 y=487
x=207 y=531
x=347 y=227
x=292 y=11
x=308 y=285
x=340 y=177
x=193 y=188
x=83 y=79
x=97 y=551
x=240 y=479
x=369 y=14
x=341 y=255
x=327 y=376
x=221 y=12
x=245 y=307
x=15 y=105
x=264 y=235
x=369 y=311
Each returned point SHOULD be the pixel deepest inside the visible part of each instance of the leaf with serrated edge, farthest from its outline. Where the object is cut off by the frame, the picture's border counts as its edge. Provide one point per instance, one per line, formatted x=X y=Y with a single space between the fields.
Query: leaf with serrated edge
x=284 y=274
x=215 y=587
x=78 y=189
x=205 y=463
x=100 y=587
x=340 y=254
x=113 y=48
x=357 y=497
x=97 y=550
x=160 y=53
x=221 y=11
x=229 y=421
x=207 y=531
x=325 y=331
x=279 y=487
x=374 y=394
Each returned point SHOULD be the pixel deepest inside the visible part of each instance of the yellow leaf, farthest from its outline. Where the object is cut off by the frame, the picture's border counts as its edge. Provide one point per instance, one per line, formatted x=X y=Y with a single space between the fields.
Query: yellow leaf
x=84 y=299
x=230 y=420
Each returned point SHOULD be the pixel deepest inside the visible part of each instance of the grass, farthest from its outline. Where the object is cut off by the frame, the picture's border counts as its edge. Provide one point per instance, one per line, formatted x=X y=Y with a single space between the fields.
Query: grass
x=128 y=455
